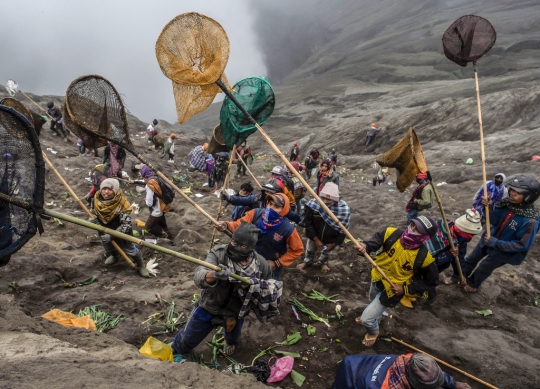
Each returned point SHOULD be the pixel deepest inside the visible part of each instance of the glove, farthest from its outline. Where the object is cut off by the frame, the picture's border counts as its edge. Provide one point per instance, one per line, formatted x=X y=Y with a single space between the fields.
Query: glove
x=225 y=196
x=223 y=274
x=106 y=238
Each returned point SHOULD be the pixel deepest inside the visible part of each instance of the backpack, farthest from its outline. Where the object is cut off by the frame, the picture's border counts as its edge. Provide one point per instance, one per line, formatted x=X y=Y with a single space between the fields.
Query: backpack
x=420 y=256
x=167 y=192
x=288 y=183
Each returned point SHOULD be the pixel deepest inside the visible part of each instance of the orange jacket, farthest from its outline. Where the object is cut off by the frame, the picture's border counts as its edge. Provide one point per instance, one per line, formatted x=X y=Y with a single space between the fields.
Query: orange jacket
x=294 y=243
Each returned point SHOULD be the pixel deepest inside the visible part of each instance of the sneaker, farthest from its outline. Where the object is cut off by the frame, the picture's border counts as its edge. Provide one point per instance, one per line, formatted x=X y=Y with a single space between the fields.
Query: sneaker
x=170 y=161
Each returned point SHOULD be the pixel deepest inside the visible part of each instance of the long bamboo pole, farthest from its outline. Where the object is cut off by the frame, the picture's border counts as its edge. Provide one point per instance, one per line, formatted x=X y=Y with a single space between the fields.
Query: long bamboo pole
x=445 y=364
x=116 y=234
x=484 y=175
x=299 y=176
x=225 y=184
x=450 y=238
x=249 y=171
x=59 y=176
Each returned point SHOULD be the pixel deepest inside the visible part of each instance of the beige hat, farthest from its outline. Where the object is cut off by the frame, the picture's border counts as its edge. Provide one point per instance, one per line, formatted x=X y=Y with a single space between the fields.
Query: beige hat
x=110 y=183
x=470 y=222
x=330 y=191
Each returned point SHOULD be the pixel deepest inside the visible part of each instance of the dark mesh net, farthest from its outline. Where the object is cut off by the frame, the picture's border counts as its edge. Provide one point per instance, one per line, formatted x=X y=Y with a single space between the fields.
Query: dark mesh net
x=23 y=177
x=88 y=139
x=96 y=107
x=256 y=96
x=35 y=119
x=468 y=39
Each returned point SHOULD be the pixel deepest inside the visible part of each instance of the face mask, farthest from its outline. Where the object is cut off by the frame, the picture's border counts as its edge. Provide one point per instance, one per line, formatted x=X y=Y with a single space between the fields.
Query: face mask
x=498 y=182
x=238 y=254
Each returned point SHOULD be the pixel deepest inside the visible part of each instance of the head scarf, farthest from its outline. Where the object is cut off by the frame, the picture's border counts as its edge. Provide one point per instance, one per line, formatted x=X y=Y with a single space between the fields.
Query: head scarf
x=107 y=210
x=146 y=172
x=411 y=240
x=270 y=219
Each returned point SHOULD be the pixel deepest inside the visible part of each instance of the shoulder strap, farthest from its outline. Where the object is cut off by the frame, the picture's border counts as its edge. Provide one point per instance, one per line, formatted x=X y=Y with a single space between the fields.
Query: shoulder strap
x=389 y=242
x=420 y=257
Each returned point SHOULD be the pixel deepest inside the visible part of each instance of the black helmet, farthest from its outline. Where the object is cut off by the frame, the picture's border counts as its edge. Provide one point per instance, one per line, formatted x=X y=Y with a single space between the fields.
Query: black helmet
x=155 y=122
x=528 y=186
x=273 y=186
x=50 y=104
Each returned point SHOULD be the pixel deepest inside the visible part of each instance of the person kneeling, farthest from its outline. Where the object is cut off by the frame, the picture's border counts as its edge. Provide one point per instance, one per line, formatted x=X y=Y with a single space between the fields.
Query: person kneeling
x=408 y=265
x=223 y=300
x=112 y=210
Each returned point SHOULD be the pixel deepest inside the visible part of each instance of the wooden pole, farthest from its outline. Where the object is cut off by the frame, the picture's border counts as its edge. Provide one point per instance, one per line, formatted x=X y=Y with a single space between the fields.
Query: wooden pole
x=299 y=176
x=450 y=238
x=484 y=175
x=115 y=245
x=39 y=106
x=116 y=234
x=225 y=184
x=445 y=364
x=249 y=171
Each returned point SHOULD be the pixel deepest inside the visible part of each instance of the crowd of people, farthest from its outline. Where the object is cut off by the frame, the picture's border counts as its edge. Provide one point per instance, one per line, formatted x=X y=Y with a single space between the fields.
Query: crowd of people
x=266 y=225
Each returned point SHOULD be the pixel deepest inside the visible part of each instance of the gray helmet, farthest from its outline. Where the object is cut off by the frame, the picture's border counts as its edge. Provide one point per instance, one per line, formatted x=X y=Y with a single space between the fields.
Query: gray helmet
x=527 y=186
x=279 y=171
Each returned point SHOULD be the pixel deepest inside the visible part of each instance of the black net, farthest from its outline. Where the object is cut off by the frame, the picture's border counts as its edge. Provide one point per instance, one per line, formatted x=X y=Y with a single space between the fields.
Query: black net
x=256 y=96
x=35 y=119
x=468 y=39
x=95 y=106
x=22 y=177
x=89 y=140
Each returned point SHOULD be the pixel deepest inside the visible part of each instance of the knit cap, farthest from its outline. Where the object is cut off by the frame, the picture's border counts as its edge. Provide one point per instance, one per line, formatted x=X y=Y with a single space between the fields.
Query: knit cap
x=330 y=191
x=110 y=183
x=424 y=373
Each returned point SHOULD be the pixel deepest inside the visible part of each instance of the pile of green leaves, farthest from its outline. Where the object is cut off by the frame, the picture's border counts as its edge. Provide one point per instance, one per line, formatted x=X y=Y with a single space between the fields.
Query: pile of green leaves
x=301 y=307
x=315 y=295
x=103 y=320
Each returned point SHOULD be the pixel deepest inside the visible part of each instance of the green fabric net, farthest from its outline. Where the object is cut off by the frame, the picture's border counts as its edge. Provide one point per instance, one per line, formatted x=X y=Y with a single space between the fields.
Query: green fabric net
x=256 y=95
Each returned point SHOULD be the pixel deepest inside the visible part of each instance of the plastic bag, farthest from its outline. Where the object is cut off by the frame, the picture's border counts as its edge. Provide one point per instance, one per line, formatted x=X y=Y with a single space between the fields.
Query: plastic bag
x=157 y=349
x=280 y=369
x=68 y=319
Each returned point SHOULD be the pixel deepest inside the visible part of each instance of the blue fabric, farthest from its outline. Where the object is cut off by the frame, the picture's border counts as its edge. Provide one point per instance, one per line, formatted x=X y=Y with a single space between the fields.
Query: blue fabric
x=514 y=241
x=484 y=270
x=269 y=221
x=495 y=192
x=363 y=371
x=253 y=200
x=272 y=246
x=197 y=328
x=341 y=211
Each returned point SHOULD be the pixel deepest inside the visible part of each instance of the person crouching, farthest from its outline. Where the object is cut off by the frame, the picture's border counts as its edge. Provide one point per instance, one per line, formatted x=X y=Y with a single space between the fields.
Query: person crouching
x=112 y=211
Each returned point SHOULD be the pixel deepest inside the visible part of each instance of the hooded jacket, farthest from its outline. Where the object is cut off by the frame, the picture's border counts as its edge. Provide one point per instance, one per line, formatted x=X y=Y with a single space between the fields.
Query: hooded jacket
x=283 y=245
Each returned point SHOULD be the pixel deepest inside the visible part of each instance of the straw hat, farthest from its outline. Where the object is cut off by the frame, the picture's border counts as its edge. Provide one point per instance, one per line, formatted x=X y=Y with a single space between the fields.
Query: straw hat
x=470 y=222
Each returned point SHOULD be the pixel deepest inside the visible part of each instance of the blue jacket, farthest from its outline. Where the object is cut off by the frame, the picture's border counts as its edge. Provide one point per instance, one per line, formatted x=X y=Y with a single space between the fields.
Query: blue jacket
x=515 y=240
x=363 y=371
x=253 y=201
x=268 y=245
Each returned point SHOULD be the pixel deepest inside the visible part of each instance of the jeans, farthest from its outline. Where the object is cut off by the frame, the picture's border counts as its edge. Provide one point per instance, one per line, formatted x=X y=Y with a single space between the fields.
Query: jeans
x=171 y=157
x=127 y=247
x=240 y=168
x=58 y=128
x=311 y=249
x=198 y=327
x=373 y=312
x=369 y=139
x=411 y=215
x=485 y=268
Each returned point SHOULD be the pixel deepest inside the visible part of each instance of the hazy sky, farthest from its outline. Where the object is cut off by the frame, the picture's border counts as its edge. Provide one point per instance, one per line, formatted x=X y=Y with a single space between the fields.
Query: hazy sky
x=48 y=43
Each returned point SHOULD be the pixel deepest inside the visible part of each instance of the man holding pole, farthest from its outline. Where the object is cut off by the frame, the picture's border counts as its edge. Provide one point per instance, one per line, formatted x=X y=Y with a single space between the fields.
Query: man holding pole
x=408 y=265
x=56 y=121
x=222 y=300
x=514 y=225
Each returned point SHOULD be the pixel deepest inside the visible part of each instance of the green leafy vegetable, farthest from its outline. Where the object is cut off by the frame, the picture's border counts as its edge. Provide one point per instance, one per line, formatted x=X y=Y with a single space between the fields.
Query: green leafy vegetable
x=297 y=378
x=485 y=312
x=311 y=330
x=287 y=354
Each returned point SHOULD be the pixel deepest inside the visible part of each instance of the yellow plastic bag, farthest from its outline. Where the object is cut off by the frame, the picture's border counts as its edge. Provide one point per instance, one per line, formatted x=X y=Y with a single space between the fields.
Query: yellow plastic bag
x=139 y=223
x=157 y=349
x=68 y=319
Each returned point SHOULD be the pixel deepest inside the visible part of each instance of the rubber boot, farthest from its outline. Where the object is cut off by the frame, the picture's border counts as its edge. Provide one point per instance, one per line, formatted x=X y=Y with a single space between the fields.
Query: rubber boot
x=407 y=302
x=111 y=259
x=138 y=259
